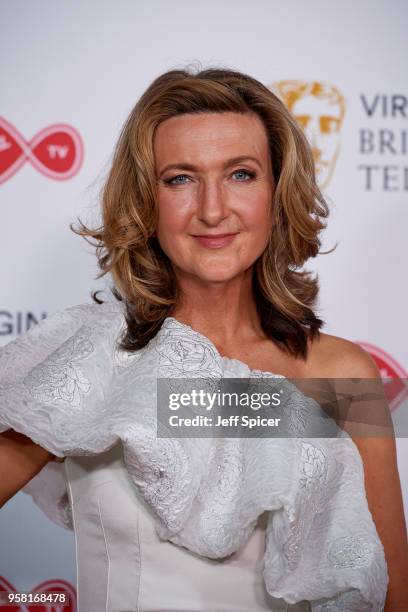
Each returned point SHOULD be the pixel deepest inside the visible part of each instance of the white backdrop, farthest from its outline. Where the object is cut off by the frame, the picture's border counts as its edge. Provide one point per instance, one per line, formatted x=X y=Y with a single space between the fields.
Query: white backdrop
x=72 y=71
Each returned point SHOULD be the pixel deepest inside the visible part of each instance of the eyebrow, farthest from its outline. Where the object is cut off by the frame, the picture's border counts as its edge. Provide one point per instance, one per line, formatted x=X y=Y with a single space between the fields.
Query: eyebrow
x=227 y=164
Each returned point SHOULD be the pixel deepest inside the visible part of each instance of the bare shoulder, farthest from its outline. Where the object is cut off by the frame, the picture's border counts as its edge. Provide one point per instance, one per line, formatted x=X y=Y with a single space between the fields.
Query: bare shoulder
x=336 y=357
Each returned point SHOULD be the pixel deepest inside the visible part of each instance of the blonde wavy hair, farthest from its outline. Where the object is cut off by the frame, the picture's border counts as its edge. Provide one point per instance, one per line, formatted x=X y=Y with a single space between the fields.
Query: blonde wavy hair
x=125 y=242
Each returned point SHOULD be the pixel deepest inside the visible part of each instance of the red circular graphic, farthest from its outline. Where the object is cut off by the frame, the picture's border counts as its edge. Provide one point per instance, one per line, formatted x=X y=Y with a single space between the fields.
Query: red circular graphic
x=396 y=388
x=49 y=586
x=57 y=151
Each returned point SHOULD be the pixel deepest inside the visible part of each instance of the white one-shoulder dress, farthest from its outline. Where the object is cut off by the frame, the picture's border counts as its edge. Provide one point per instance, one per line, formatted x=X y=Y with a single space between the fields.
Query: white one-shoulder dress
x=184 y=524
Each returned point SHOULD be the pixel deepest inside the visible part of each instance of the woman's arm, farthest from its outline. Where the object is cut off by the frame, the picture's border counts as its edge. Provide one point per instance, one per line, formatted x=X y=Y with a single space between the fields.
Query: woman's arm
x=384 y=497
x=382 y=482
x=20 y=460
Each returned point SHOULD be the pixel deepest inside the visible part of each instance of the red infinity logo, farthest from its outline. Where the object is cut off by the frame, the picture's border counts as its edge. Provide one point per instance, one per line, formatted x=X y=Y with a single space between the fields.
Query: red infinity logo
x=393 y=374
x=57 y=151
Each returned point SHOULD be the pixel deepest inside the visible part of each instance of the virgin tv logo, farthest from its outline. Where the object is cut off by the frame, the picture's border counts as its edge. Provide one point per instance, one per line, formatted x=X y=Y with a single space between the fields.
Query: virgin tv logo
x=56 y=151
x=394 y=376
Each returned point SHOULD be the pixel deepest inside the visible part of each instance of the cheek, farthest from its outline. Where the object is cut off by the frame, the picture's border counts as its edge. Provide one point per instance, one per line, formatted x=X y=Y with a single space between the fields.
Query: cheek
x=255 y=212
x=172 y=215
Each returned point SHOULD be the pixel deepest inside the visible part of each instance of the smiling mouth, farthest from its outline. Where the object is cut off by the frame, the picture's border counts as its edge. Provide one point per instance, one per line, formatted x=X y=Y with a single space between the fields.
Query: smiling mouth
x=213 y=235
x=214 y=241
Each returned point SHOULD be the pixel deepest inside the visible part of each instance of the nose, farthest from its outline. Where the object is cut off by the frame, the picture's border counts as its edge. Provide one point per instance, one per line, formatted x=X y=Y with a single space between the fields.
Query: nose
x=313 y=135
x=212 y=207
x=312 y=132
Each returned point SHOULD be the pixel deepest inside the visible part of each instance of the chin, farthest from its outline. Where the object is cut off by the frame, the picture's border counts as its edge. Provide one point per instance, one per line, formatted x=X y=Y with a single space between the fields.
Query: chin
x=216 y=274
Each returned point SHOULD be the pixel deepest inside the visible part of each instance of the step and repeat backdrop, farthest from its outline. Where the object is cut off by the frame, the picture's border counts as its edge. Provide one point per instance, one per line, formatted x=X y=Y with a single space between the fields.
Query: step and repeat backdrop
x=72 y=71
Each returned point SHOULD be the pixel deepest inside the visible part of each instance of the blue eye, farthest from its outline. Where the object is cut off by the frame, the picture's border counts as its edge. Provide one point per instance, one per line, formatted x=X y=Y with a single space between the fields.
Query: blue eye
x=173 y=181
x=247 y=172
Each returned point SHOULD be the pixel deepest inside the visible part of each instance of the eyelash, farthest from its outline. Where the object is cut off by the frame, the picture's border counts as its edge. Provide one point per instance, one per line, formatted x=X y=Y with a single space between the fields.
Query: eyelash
x=248 y=172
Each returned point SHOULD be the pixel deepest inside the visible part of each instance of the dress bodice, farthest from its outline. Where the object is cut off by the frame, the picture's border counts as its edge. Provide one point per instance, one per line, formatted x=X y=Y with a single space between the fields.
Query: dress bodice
x=122 y=564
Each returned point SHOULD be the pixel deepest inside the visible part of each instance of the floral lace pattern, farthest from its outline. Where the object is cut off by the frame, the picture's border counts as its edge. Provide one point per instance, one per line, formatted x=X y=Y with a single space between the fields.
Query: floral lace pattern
x=67 y=385
x=59 y=379
x=350 y=551
x=312 y=478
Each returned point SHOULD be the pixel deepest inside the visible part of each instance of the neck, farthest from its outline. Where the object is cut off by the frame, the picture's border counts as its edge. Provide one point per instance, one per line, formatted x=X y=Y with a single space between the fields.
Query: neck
x=225 y=312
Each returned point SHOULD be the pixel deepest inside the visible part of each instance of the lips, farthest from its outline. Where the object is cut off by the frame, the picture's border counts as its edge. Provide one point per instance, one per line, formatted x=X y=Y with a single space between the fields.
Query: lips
x=212 y=235
x=214 y=241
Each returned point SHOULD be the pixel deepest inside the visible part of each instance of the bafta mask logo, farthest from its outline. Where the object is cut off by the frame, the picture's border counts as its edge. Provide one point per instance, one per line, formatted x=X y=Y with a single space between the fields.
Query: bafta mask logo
x=319 y=109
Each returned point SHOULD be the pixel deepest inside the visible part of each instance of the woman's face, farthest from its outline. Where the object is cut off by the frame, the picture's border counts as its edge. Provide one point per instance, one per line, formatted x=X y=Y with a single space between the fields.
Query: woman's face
x=204 y=191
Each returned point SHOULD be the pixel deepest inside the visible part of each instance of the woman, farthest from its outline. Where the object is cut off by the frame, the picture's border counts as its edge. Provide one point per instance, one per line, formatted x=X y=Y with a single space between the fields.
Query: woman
x=210 y=209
